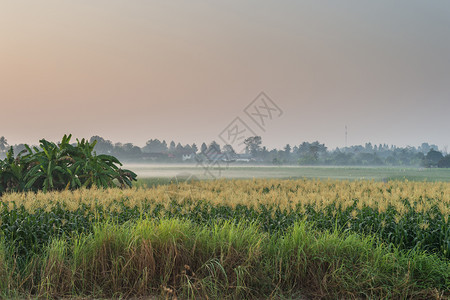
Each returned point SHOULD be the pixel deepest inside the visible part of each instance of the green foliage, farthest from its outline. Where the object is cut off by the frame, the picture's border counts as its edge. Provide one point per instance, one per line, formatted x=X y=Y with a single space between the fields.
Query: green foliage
x=176 y=258
x=432 y=158
x=61 y=166
x=11 y=173
x=29 y=231
x=444 y=162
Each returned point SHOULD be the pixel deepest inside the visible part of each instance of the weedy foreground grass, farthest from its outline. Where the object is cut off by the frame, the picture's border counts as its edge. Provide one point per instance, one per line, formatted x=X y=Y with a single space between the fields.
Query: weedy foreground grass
x=172 y=257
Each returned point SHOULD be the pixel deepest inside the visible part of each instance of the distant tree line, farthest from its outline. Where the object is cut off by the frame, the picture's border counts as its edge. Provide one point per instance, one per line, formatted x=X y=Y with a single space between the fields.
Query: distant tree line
x=305 y=153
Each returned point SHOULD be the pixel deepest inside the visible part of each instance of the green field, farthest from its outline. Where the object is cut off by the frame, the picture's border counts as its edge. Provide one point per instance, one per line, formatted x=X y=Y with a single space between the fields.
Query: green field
x=157 y=174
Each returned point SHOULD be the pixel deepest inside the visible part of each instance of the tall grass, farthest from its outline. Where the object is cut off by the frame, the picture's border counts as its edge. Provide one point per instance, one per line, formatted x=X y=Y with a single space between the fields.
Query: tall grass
x=4 y=276
x=177 y=258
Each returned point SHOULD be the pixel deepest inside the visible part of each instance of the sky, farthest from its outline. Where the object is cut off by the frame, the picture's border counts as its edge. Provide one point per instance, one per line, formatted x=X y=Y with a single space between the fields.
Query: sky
x=135 y=70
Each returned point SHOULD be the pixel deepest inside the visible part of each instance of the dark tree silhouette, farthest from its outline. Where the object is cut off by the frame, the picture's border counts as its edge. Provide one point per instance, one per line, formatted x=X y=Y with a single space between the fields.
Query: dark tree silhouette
x=444 y=162
x=203 y=148
x=253 y=145
x=433 y=157
x=3 y=144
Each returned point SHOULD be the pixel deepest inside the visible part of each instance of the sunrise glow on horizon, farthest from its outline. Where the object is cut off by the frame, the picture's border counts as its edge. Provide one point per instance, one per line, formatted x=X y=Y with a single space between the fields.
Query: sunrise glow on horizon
x=131 y=71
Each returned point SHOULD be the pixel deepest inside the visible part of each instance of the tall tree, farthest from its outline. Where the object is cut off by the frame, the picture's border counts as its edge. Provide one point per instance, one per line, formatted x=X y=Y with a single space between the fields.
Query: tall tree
x=433 y=157
x=179 y=149
x=444 y=162
x=253 y=145
x=303 y=149
x=204 y=148
x=155 y=146
x=172 y=147
x=102 y=146
x=316 y=148
x=228 y=151
x=287 y=149
x=3 y=144
x=214 y=147
x=187 y=149
x=287 y=152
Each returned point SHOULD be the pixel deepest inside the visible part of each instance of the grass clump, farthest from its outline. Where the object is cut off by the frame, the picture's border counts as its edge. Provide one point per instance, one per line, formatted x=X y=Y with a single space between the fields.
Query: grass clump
x=235 y=260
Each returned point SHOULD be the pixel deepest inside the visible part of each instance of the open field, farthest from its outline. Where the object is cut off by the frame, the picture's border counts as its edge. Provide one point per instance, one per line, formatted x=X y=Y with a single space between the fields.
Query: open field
x=160 y=174
x=256 y=238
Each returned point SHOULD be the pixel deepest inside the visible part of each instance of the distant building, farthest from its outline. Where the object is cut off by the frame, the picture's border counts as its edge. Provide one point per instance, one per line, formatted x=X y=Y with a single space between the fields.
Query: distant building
x=244 y=157
x=186 y=157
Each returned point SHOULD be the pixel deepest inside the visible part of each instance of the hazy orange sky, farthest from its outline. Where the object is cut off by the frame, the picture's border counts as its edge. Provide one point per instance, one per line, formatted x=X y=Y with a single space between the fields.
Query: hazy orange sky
x=183 y=70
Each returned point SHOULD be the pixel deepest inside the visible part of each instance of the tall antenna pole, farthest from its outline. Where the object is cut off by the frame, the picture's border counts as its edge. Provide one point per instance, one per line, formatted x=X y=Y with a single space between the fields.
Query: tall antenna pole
x=345 y=136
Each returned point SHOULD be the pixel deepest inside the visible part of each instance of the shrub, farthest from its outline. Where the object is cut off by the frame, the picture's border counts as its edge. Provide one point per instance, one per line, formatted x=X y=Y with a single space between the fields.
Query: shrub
x=61 y=166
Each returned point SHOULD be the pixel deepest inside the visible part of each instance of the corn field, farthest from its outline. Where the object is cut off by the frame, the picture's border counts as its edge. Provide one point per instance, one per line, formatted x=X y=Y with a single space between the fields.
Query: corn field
x=407 y=215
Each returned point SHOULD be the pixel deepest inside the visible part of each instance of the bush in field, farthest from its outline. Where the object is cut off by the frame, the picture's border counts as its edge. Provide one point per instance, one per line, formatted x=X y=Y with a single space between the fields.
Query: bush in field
x=59 y=167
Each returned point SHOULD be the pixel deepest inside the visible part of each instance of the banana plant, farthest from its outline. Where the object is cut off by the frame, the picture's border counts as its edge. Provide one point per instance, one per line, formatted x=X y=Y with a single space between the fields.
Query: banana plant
x=12 y=172
x=61 y=166
x=100 y=170
x=50 y=167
